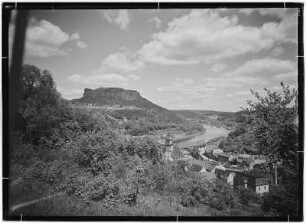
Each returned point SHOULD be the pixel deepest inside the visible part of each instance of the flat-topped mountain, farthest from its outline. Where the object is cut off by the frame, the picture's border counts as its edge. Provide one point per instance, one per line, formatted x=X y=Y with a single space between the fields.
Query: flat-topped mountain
x=116 y=97
x=122 y=103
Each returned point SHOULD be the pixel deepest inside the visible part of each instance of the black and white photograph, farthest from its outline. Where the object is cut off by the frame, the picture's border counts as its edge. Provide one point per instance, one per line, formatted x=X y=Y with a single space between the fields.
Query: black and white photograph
x=153 y=110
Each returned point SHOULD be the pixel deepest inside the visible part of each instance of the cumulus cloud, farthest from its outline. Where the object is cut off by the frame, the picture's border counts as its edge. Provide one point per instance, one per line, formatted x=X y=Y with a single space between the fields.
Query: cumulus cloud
x=118 y=17
x=218 y=67
x=44 y=39
x=266 y=67
x=206 y=36
x=75 y=36
x=124 y=61
x=156 y=21
x=81 y=44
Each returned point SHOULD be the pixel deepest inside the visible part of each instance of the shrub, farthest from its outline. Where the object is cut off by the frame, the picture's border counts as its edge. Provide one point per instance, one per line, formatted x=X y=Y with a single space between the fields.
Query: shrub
x=247 y=195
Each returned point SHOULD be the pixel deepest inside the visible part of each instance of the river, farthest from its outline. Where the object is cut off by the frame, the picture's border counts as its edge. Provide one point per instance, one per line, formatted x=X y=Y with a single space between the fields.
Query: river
x=210 y=133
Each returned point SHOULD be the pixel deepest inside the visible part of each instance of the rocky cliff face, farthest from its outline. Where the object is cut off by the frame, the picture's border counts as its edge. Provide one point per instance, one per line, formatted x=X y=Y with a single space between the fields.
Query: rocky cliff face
x=129 y=95
x=115 y=97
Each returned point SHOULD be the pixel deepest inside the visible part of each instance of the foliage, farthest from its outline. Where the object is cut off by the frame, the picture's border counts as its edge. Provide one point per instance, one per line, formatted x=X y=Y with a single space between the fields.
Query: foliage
x=247 y=196
x=224 y=197
x=272 y=120
x=195 y=152
x=280 y=201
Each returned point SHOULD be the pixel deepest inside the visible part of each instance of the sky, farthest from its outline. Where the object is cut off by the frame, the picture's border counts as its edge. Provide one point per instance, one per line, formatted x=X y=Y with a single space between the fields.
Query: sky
x=200 y=59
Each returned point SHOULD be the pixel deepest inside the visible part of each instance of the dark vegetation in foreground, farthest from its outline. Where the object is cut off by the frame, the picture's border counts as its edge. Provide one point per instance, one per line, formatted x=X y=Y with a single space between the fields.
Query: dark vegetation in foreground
x=59 y=148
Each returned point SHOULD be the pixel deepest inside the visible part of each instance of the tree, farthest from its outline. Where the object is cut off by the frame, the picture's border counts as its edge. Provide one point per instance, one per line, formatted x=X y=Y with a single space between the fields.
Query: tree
x=29 y=79
x=272 y=120
x=195 y=152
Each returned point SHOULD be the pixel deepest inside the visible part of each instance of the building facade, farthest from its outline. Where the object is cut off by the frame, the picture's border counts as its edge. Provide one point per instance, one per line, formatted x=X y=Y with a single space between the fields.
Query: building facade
x=260 y=184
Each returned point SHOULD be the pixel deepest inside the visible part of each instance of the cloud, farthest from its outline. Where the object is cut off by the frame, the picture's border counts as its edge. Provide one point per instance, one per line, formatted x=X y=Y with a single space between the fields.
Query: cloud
x=156 y=21
x=81 y=44
x=218 y=67
x=70 y=93
x=118 y=17
x=277 y=12
x=44 y=39
x=183 y=87
x=265 y=67
x=185 y=80
x=277 y=51
x=124 y=61
x=291 y=77
x=204 y=36
x=102 y=80
x=98 y=80
x=207 y=92
x=134 y=77
x=75 y=36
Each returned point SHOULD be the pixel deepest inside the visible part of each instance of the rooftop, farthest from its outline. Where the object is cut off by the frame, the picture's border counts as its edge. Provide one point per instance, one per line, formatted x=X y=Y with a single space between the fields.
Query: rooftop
x=222 y=173
x=224 y=155
x=195 y=167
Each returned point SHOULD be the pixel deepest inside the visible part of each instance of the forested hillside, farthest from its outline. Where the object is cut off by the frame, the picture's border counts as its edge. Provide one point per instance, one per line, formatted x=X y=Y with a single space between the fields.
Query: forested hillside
x=219 y=118
x=139 y=114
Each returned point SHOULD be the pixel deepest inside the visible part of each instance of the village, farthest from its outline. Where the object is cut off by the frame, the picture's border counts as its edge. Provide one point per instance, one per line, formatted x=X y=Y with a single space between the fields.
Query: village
x=236 y=170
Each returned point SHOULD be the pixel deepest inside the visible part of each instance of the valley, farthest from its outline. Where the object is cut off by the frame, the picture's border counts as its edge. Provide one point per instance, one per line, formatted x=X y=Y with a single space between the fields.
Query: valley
x=113 y=152
x=118 y=111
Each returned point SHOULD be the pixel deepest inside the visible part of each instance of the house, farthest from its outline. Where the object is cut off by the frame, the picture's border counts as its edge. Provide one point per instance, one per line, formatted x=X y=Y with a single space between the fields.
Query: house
x=260 y=183
x=225 y=176
x=216 y=152
x=225 y=157
x=219 y=166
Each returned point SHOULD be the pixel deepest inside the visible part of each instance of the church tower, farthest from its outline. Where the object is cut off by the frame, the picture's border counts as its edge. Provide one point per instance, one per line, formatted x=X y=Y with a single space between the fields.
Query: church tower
x=168 y=149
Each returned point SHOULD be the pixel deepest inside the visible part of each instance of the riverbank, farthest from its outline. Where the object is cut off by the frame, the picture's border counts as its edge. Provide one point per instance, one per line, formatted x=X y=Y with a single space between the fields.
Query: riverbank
x=211 y=132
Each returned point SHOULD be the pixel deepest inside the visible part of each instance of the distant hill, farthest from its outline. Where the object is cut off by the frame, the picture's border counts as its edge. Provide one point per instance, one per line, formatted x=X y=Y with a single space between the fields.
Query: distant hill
x=140 y=114
x=217 y=118
x=116 y=98
x=202 y=114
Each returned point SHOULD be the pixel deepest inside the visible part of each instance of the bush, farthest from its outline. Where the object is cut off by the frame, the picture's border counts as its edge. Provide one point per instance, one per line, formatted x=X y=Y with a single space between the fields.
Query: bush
x=280 y=201
x=247 y=196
